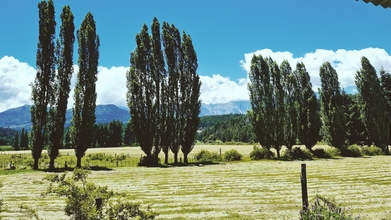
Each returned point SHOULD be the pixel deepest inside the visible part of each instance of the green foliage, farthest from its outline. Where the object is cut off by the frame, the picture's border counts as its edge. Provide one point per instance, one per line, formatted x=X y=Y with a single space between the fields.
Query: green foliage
x=231 y=128
x=83 y=119
x=325 y=209
x=42 y=87
x=232 y=155
x=372 y=104
x=330 y=152
x=1 y=200
x=332 y=107
x=308 y=115
x=371 y=150
x=15 y=144
x=205 y=155
x=6 y=136
x=352 y=151
x=259 y=153
x=267 y=102
x=62 y=84
x=81 y=198
x=300 y=154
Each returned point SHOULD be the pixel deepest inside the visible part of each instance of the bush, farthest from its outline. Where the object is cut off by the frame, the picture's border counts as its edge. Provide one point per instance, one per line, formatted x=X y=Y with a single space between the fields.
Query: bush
x=352 y=151
x=372 y=151
x=82 y=203
x=204 y=156
x=97 y=156
x=325 y=209
x=232 y=155
x=331 y=152
x=259 y=153
x=301 y=154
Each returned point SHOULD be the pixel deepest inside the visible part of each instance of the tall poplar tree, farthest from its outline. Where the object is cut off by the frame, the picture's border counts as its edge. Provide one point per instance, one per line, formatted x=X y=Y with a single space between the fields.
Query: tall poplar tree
x=291 y=110
x=82 y=124
x=332 y=107
x=174 y=60
x=158 y=75
x=15 y=143
x=42 y=91
x=190 y=89
x=309 y=118
x=141 y=94
x=372 y=104
x=62 y=83
x=260 y=90
x=385 y=80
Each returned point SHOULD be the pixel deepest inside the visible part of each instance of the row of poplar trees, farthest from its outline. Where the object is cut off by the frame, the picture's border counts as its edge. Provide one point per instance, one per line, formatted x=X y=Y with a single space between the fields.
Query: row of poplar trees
x=285 y=109
x=163 y=92
x=50 y=90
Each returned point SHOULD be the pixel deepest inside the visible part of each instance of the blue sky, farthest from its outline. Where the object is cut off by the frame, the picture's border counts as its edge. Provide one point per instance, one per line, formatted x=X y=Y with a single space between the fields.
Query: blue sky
x=225 y=35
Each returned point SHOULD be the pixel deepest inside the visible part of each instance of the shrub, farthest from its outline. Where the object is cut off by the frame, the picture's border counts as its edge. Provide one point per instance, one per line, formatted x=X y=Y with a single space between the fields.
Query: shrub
x=97 y=156
x=301 y=154
x=323 y=208
x=205 y=155
x=372 y=151
x=259 y=153
x=232 y=155
x=333 y=152
x=81 y=197
x=330 y=152
x=352 y=151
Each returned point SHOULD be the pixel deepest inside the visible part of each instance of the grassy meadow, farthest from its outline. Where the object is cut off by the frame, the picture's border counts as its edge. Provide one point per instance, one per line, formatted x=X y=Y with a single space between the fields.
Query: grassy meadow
x=266 y=189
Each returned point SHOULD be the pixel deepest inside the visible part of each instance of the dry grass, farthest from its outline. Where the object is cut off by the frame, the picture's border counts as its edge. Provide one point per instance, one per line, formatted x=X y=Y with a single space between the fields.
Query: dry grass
x=241 y=190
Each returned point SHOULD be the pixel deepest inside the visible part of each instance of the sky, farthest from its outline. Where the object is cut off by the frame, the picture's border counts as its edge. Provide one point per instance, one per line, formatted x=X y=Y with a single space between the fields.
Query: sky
x=225 y=34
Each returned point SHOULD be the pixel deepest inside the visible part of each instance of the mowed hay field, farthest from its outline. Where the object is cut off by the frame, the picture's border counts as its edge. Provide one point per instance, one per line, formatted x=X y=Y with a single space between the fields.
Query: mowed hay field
x=240 y=190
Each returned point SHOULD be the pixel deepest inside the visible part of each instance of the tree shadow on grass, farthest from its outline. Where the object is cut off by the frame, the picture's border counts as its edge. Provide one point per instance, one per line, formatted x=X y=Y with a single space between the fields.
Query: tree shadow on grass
x=191 y=164
x=67 y=169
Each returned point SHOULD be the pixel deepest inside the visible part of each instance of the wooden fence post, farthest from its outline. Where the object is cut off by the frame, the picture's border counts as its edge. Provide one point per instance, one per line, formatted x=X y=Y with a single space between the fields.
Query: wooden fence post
x=304 y=193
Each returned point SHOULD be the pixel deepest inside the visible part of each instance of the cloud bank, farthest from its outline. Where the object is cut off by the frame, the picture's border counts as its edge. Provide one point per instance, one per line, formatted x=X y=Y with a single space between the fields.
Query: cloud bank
x=15 y=76
x=345 y=62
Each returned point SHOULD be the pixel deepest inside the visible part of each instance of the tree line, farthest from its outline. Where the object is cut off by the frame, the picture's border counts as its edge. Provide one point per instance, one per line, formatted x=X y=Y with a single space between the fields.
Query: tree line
x=163 y=92
x=163 y=89
x=286 y=111
x=51 y=87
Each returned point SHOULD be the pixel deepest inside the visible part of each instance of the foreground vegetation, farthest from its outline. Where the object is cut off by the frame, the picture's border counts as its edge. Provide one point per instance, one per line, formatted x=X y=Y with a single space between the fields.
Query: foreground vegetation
x=265 y=189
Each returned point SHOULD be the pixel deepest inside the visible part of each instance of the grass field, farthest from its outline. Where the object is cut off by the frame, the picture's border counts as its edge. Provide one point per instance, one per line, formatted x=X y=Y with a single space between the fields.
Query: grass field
x=240 y=190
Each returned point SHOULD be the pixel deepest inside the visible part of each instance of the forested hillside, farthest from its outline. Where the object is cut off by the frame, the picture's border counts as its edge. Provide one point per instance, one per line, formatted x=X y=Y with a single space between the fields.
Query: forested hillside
x=225 y=128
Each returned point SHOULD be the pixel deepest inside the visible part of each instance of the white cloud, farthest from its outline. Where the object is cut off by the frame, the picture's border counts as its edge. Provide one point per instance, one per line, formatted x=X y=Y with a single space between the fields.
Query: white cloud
x=219 y=89
x=111 y=86
x=346 y=62
x=15 y=76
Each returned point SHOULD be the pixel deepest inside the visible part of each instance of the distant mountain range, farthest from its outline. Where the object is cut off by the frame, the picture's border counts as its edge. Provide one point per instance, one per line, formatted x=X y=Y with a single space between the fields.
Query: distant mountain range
x=18 y=118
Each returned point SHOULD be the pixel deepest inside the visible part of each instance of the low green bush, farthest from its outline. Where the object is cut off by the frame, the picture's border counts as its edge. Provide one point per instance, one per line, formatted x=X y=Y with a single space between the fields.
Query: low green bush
x=300 y=154
x=320 y=153
x=259 y=153
x=97 y=156
x=205 y=155
x=232 y=155
x=371 y=151
x=330 y=152
x=323 y=208
x=352 y=151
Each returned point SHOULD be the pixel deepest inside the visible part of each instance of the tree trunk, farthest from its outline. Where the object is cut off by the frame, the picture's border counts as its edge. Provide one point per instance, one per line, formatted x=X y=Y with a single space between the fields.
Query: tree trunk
x=176 y=158
x=166 y=157
x=35 y=167
x=78 y=162
x=51 y=163
x=278 y=152
x=185 y=159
